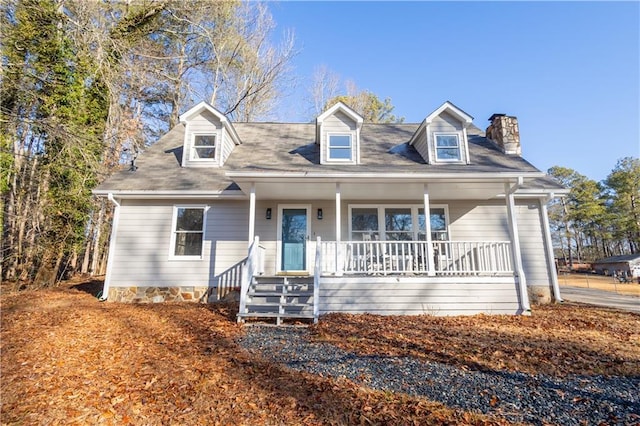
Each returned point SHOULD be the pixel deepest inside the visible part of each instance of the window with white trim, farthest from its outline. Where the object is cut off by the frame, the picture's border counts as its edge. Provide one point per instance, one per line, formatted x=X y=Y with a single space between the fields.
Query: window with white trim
x=448 y=147
x=204 y=147
x=339 y=147
x=398 y=223
x=187 y=238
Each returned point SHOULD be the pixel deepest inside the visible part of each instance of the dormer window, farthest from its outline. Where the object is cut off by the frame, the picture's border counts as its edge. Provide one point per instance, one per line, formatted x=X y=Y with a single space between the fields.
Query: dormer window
x=447 y=147
x=340 y=148
x=442 y=136
x=203 y=147
x=209 y=137
x=338 y=134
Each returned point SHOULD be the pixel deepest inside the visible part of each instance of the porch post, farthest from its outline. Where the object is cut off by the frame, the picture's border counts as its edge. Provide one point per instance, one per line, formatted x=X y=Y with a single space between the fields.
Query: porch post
x=515 y=245
x=551 y=262
x=338 y=228
x=427 y=226
x=252 y=212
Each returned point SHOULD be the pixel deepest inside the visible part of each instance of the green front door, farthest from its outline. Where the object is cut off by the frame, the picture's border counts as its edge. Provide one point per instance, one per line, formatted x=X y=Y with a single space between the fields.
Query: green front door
x=294 y=240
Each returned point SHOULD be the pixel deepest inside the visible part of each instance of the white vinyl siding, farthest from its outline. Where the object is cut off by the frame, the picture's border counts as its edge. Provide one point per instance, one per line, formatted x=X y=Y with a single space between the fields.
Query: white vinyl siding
x=487 y=221
x=534 y=259
x=446 y=124
x=144 y=238
x=226 y=148
x=201 y=125
x=338 y=124
x=421 y=145
x=416 y=296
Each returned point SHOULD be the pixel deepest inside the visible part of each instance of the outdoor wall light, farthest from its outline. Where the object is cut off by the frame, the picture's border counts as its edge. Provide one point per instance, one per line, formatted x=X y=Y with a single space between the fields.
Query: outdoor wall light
x=319 y=214
x=268 y=214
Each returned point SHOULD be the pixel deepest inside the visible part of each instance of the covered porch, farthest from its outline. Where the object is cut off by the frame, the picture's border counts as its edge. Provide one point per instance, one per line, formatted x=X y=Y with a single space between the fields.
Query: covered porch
x=347 y=232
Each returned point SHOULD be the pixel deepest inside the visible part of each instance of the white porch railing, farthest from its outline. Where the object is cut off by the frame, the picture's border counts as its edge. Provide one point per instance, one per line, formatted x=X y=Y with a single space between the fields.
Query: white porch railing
x=402 y=257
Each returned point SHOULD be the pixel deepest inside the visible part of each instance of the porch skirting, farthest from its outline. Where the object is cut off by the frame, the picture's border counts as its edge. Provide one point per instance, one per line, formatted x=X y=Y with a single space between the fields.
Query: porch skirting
x=419 y=295
x=150 y=294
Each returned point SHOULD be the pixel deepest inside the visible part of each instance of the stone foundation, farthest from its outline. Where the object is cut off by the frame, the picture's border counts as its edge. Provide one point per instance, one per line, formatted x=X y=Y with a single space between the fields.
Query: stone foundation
x=540 y=294
x=159 y=294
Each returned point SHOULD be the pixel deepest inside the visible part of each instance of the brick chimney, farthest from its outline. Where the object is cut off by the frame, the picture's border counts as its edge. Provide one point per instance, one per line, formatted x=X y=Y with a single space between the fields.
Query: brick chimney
x=504 y=132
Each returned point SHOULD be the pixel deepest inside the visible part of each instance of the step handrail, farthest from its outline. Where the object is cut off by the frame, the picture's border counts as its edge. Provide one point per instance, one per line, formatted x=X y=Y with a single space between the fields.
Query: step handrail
x=248 y=271
x=317 y=270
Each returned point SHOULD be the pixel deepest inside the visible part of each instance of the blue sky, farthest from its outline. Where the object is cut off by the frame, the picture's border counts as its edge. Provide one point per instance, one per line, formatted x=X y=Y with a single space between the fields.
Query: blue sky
x=570 y=71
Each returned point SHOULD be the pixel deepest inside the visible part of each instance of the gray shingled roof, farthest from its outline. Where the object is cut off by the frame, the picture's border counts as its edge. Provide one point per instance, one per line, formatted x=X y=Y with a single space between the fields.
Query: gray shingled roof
x=291 y=147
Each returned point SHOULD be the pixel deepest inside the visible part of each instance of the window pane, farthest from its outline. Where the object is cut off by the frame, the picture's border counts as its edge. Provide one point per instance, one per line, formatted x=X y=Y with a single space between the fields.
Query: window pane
x=188 y=244
x=205 y=140
x=398 y=220
x=340 y=153
x=205 y=152
x=448 y=154
x=438 y=225
x=190 y=219
x=340 y=141
x=438 y=220
x=364 y=219
x=446 y=140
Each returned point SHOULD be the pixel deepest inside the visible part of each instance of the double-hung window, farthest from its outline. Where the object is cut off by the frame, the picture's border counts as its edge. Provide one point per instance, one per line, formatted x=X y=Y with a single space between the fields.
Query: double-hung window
x=340 y=147
x=204 y=147
x=447 y=147
x=188 y=232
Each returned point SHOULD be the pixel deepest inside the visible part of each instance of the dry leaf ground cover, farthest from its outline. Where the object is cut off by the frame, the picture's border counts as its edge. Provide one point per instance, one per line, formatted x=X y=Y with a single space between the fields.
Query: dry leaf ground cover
x=556 y=340
x=69 y=359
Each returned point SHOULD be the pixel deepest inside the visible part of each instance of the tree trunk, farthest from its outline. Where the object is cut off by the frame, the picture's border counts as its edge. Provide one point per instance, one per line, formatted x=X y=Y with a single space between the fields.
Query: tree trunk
x=96 y=238
x=87 y=252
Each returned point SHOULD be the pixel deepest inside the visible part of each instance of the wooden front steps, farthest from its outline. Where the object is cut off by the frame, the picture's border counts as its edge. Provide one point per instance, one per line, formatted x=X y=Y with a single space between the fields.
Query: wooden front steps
x=280 y=297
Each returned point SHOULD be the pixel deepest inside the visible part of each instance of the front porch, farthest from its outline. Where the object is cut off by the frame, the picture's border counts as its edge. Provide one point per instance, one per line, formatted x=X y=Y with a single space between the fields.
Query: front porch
x=387 y=278
x=384 y=246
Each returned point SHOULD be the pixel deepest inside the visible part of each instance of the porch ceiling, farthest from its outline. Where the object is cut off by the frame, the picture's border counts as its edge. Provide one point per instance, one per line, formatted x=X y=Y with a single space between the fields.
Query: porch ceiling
x=374 y=190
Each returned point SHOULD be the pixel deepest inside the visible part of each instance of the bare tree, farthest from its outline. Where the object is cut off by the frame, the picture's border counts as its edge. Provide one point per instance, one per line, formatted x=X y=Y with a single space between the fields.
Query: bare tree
x=324 y=86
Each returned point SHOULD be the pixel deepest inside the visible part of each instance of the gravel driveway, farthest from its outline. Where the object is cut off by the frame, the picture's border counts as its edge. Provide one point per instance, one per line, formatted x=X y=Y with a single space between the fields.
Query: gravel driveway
x=518 y=397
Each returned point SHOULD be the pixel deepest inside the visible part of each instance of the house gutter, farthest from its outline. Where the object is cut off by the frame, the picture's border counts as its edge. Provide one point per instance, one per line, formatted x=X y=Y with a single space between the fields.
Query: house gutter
x=112 y=247
x=401 y=177
x=551 y=258
x=162 y=194
x=516 y=248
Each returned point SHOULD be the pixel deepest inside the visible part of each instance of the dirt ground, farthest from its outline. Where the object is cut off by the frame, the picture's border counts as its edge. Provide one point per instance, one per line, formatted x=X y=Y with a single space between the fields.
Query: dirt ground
x=599 y=282
x=67 y=358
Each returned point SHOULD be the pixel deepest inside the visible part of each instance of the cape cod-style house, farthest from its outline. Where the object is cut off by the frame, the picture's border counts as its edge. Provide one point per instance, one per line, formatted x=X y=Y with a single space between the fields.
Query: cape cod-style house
x=338 y=215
